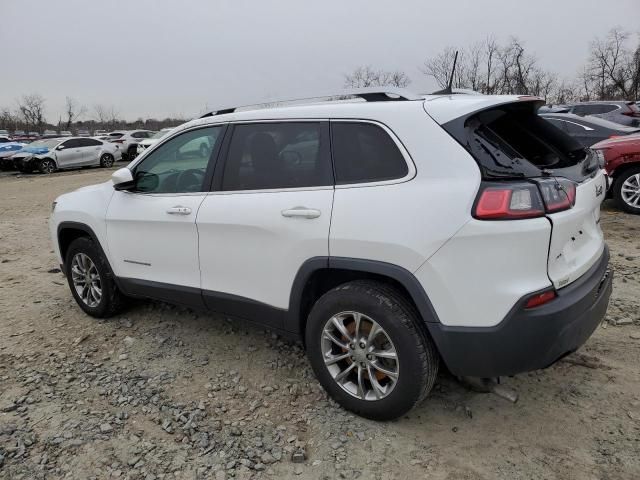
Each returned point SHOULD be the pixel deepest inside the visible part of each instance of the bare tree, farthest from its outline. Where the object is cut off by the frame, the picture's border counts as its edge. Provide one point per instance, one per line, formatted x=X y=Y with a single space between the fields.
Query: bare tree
x=613 y=69
x=492 y=69
x=439 y=67
x=367 y=76
x=73 y=111
x=31 y=109
x=107 y=117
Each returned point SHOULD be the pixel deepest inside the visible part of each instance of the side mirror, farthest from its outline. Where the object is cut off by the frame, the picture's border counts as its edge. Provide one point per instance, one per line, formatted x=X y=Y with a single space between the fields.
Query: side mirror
x=122 y=179
x=60 y=147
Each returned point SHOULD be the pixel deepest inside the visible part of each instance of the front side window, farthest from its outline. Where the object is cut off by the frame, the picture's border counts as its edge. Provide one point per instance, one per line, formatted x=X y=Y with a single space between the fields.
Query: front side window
x=364 y=152
x=179 y=165
x=74 y=143
x=277 y=155
x=89 y=142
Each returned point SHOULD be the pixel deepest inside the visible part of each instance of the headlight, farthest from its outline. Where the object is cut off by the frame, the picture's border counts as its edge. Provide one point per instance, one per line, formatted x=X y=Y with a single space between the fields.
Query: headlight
x=53 y=206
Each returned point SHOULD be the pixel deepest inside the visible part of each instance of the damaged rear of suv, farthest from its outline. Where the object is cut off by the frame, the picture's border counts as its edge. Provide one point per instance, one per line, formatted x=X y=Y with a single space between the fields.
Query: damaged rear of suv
x=388 y=231
x=536 y=229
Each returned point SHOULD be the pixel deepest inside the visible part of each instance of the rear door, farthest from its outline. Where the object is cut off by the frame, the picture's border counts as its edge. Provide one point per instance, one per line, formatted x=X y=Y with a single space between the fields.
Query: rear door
x=90 y=151
x=270 y=213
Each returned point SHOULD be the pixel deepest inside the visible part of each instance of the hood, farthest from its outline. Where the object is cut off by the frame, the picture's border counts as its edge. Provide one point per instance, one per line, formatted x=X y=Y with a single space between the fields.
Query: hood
x=98 y=186
x=34 y=150
x=629 y=141
x=11 y=146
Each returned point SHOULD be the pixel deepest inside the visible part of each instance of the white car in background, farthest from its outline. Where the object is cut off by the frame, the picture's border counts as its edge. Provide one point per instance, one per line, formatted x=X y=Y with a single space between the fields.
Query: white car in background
x=52 y=154
x=128 y=141
x=144 y=144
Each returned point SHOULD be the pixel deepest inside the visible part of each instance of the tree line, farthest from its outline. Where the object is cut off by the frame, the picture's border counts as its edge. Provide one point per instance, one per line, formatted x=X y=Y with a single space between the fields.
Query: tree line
x=29 y=115
x=611 y=72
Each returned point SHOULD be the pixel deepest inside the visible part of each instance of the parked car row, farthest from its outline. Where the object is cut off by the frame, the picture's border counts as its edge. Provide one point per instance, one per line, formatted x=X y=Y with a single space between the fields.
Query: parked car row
x=49 y=155
x=622 y=112
x=57 y=151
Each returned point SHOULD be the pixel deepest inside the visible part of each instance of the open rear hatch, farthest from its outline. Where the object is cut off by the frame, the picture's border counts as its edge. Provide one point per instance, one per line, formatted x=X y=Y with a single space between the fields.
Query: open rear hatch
x=514 y=146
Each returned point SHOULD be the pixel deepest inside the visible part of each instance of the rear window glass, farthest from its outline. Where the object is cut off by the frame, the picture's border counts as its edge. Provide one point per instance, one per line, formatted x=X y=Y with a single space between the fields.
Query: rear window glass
x=363 y=152
x=513 y=141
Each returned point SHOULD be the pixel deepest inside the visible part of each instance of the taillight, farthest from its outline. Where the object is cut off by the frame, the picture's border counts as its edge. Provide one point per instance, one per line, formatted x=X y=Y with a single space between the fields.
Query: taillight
x=512 y=201
x=557 y=193
x=540 y=299
x=118 y=140
x=508 y=201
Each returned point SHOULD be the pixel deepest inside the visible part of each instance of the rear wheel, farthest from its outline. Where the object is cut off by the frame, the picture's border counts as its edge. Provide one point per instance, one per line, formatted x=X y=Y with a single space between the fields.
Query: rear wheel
x=90 y=279
x=106 y=160
x=626 y=190
x=368 y=350
x=47 y=165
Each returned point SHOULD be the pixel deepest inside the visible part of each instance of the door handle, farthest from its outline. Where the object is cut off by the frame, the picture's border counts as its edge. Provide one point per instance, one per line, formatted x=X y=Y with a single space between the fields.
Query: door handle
x=303 y=212
x=179 y=210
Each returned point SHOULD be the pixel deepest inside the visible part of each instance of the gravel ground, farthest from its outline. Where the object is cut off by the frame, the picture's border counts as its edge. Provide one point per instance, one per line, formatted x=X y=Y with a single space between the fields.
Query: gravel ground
x=166 y=393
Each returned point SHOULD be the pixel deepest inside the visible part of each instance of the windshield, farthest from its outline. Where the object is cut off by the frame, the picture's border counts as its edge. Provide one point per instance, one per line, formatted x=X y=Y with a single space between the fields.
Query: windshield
x=160 y=134
x=45 y=143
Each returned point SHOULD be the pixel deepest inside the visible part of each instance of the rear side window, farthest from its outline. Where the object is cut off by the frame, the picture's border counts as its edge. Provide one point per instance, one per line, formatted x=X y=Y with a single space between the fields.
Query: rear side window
x=278 y=155
x=364 y=152
x=89 y=142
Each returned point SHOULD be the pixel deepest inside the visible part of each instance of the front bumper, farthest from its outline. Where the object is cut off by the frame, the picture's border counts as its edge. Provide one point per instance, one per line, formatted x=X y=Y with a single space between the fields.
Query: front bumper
x=530 y=339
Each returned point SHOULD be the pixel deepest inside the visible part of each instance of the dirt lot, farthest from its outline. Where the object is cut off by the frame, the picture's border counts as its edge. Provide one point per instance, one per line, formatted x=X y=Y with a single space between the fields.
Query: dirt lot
x=160 y=392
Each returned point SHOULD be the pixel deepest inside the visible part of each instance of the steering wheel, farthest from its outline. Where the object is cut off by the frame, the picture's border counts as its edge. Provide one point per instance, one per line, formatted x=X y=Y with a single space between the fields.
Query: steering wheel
x=189 y=180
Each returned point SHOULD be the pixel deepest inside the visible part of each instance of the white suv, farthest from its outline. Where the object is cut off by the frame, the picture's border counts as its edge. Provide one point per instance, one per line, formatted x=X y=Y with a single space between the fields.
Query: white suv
x=389 y=232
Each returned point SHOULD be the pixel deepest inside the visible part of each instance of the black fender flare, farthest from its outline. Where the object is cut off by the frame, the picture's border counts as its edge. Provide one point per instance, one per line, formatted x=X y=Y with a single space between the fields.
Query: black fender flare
x=82 y=227
x=399 y=274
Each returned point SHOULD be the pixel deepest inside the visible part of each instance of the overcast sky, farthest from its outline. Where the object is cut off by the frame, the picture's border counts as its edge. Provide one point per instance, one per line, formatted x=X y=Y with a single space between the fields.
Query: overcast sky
x=157 y=58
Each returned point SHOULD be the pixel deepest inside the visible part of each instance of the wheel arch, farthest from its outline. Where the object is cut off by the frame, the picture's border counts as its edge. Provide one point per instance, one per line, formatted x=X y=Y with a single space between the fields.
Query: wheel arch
x=320 y=274
x=67 y=232
x=624 y=167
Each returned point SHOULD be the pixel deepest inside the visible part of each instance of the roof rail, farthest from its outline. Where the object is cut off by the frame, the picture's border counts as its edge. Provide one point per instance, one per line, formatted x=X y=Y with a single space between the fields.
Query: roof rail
x=370 y=94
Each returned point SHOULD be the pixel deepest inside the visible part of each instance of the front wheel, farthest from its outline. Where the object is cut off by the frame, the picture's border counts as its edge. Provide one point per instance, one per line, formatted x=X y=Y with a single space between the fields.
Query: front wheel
x=626 y=190
x=47 y=166
x=106 y=160
x=90 y=279
x=370 y=353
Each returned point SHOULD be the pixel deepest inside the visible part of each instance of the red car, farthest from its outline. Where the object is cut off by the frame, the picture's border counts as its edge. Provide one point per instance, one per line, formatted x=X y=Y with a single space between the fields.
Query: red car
x=622 y=163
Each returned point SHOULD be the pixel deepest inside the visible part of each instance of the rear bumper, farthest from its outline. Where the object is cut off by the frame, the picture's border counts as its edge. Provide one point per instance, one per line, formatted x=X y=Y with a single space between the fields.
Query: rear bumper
x=530 y=339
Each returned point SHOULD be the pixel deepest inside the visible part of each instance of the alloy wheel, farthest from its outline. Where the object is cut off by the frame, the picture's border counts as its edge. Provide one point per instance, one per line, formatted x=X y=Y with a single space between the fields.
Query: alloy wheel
x=630 y=191
x=107 y=160
x=360 y=356
x=86 y=279
x=47 y=166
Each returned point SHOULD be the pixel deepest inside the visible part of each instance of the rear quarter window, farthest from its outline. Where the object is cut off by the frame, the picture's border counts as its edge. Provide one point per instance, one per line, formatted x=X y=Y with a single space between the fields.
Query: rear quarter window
x=364 y=152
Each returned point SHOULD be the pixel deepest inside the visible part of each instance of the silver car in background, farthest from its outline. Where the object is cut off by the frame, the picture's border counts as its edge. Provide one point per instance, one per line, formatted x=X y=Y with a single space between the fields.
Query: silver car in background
x=52 y=154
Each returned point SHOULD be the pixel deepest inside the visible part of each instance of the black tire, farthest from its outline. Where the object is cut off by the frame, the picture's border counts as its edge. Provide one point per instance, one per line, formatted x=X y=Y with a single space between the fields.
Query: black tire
x=617 y=190
x=112 y=299
x=106 y=160
x=418 y=358
x=47 y=165
x=132 y=153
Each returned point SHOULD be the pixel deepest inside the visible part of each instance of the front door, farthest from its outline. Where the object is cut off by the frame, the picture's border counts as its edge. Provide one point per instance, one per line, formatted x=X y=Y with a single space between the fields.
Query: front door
x=269 y=214
x=151 y=229
x=69 y=153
